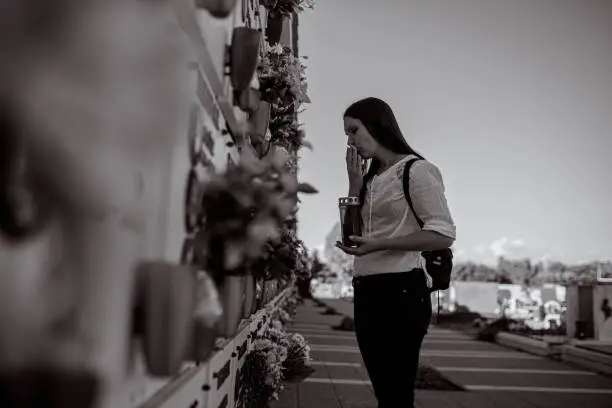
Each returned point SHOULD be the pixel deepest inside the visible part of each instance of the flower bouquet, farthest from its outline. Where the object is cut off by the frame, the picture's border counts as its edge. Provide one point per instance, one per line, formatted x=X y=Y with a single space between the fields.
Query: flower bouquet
x=288 y=7
x=295 y=350
x=276 y=333
x=298 y=356
x=290 y=305
x=283 y=84
x=284 y=317
x=261 y=376
x=283 y=258
x=243 y=210
x=282 y=78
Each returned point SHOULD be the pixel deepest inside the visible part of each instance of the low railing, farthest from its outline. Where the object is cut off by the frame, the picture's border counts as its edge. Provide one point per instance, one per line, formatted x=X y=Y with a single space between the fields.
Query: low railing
x=214 y=383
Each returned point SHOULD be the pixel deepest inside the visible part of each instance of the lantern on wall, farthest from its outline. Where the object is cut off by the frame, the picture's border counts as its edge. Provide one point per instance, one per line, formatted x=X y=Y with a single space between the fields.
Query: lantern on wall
x=243 y=55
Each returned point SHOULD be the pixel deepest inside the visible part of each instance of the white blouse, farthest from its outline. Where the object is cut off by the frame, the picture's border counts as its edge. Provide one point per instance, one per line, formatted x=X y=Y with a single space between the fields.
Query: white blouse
x=386 y=214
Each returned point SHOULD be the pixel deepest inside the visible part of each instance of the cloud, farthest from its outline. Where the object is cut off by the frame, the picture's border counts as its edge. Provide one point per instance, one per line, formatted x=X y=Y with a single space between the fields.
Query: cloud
x=503 y=246
x=509 y=248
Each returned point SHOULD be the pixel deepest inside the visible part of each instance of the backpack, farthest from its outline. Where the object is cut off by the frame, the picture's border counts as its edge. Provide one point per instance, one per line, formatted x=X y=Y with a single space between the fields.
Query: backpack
x=439 y=263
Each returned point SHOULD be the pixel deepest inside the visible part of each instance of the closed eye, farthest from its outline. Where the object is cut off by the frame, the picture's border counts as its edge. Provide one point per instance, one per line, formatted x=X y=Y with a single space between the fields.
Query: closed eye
x=350 y=131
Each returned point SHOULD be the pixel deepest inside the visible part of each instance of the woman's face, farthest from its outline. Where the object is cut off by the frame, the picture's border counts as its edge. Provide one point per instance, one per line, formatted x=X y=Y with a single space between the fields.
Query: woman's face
x=359 y=137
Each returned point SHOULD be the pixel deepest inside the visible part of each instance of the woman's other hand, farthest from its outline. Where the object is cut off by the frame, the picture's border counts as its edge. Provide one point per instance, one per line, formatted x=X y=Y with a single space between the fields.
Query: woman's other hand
x=355 y=169
x=366 y=246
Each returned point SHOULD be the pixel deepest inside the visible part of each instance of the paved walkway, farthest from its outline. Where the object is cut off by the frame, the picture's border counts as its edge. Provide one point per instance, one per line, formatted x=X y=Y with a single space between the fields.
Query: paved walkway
x=495 y=377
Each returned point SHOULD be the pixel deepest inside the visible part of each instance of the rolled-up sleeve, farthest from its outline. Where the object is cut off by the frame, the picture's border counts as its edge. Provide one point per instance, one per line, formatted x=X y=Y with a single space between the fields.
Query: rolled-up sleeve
x=429 y=200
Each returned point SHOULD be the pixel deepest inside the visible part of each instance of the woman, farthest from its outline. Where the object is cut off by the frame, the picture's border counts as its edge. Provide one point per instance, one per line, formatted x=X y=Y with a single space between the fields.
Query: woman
x=392 y=296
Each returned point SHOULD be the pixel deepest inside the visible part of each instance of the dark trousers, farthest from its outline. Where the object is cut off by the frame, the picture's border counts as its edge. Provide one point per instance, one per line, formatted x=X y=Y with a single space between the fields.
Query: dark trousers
x=392 y=314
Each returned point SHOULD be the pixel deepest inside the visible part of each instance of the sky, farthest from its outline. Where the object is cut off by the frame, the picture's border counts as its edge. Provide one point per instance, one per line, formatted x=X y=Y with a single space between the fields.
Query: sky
x=511 y=99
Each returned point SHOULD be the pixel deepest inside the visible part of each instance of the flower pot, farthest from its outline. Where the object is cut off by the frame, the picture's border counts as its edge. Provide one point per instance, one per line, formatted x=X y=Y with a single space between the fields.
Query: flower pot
x=165 y=305
x=249 y=298
x=217 y=8
x=244 y=52
x=231 y=289
x=248 y=100
x=274 y=29
x=208 y=311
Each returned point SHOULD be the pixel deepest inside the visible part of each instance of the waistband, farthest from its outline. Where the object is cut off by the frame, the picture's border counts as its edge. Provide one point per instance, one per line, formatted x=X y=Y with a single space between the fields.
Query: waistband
x=414 y=278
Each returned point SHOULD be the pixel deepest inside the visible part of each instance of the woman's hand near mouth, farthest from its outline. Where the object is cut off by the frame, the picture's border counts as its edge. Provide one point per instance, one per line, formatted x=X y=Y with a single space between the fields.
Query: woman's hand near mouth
x=355 y=169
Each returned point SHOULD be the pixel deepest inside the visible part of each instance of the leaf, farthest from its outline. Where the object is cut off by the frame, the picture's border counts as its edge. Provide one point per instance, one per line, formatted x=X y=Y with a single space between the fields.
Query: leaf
x=307 y=144
x=306 y=188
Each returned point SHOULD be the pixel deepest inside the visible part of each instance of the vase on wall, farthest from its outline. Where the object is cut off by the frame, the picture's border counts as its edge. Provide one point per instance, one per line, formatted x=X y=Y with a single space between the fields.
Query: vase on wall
x=243 y=56
x=249 y=296
x=208 y=311
x=231 y=290
x=193 y=202
x=163 y=317
x=217 y=8
x=193 y=136
x=269 y=4
x=258 y=124
x=274 y=28
x=248 y=100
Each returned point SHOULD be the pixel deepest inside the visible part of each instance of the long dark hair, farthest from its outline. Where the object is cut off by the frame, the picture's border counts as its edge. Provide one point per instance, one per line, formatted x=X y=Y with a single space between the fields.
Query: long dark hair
x=378 y=118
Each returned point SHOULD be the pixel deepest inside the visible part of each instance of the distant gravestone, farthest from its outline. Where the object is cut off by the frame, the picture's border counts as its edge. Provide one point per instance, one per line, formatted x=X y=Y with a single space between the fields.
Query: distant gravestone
x=477 y=297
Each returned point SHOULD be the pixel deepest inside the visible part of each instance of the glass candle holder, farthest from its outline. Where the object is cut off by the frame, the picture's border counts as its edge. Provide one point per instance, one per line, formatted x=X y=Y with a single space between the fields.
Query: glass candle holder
x=350 y=219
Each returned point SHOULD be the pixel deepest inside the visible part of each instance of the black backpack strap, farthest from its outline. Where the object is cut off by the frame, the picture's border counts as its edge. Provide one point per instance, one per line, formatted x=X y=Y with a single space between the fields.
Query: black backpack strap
x=406 y=183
